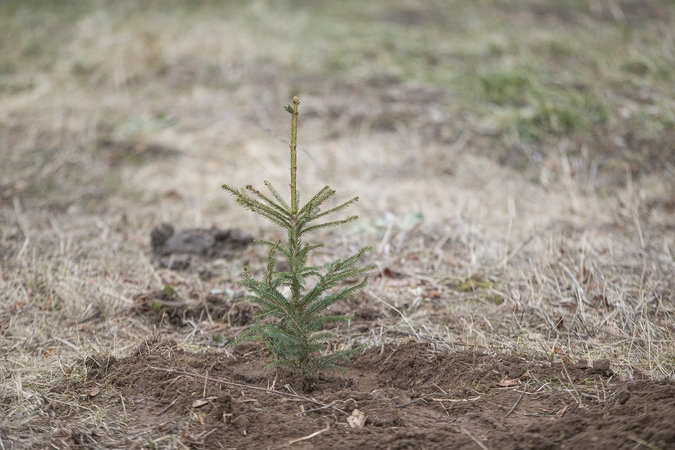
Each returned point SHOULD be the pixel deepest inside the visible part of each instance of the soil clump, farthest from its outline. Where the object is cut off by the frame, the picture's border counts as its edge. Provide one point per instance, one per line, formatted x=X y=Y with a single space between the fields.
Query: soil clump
x=175 y=249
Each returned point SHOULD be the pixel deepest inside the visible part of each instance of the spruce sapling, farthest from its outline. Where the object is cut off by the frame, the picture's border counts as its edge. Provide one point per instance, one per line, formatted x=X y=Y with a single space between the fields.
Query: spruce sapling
x=291 y=326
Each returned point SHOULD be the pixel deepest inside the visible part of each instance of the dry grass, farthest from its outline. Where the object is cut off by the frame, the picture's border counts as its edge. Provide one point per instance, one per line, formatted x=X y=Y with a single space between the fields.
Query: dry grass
x=118 y=117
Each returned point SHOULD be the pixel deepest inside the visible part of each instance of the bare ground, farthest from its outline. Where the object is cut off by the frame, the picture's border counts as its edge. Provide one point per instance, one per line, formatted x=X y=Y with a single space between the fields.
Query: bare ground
x=413 y=395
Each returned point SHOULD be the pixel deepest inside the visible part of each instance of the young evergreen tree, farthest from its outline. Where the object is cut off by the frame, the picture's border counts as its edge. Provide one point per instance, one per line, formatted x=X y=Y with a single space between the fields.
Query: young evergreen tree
x=292 y=326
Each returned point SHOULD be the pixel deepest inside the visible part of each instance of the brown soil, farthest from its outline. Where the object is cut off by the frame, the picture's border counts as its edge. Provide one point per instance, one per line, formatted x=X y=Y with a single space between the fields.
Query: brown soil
x=174 y=249
x=159 y=306
x=413 y=395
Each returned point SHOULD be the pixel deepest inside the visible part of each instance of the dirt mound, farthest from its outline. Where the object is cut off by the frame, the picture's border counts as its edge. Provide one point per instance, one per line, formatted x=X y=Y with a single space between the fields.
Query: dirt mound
x=173 y=248
x=168 y=305
x=412 y=395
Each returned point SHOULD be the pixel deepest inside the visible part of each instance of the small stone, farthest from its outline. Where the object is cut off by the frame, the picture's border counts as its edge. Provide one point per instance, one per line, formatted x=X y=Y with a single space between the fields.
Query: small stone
x=602 y=366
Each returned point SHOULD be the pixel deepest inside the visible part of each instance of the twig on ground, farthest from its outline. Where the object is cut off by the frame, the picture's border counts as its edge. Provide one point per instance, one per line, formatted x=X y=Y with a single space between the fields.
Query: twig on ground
x=578 y=397
x=316 y=433
x=168 y=406
x=411 y=402
x=643 y=442
x=457 y=400
x=474 y=438
x=204 y=434
x=527 y=385
x=330 y=405
x=246 y=386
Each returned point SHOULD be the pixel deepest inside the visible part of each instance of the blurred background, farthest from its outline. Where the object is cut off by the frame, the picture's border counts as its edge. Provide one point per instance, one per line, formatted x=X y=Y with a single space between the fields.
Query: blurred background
x=430 y=111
